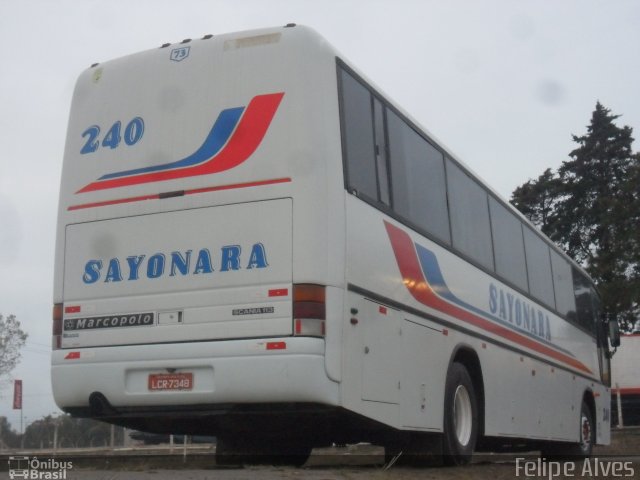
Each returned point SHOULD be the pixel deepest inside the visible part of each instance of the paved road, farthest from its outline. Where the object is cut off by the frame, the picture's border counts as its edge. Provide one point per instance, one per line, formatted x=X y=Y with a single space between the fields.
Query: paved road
x=351 y=463
x=601 y=468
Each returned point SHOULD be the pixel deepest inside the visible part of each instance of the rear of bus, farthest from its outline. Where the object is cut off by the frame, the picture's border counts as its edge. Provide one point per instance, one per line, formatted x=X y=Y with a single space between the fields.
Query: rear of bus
x=199 y=259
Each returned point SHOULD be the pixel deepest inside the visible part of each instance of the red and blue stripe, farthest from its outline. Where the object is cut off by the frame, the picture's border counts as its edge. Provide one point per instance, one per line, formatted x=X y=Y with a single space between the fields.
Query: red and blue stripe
x=423 y=279
x=235 y=135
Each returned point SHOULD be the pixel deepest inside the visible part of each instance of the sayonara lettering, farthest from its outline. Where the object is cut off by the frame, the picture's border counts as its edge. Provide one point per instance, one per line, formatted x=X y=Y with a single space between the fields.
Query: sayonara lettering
x=174 y=264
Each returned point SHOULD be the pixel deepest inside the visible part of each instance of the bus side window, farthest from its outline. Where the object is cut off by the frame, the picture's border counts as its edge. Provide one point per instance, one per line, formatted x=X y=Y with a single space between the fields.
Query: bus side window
x=584 y=303
x=539 y=268
x=469 y=210
x=508 y=245
x=562 y=284
x=601 y=331
x=418 y=179
x=358 y=136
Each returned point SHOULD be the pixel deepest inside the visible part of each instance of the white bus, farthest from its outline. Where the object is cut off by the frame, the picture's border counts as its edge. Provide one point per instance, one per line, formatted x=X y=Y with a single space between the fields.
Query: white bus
x=254 y=243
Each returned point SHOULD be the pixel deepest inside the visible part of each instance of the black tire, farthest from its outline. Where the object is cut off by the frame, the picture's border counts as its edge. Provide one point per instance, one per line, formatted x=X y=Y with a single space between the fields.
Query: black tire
x=587 y=431
x=234 y=451
x=460 y=417
x=575 y=451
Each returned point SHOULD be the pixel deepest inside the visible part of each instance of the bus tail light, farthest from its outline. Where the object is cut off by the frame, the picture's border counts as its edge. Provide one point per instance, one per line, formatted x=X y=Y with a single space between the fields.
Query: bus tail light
x=57 y=326
x=309 y=312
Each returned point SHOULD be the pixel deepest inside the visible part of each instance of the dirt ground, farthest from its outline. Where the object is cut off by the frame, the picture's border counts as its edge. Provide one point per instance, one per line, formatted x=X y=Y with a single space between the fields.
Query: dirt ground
x=621 y=459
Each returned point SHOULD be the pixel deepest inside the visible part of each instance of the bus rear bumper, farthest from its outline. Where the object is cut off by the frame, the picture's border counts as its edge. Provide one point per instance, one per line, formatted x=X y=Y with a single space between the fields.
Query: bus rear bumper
x=259 y=371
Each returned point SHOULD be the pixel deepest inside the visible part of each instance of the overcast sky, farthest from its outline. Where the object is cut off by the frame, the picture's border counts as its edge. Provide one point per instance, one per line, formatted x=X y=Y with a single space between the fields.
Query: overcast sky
x=503 y=84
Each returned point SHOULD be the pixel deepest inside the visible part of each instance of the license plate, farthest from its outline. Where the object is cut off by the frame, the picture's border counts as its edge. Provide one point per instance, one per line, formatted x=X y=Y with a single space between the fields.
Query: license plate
x=171 y=381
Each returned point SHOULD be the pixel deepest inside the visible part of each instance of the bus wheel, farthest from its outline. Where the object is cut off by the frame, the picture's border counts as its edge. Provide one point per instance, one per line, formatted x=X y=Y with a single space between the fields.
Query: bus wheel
x=290 y=453
x=460 y=417
x=587 y=432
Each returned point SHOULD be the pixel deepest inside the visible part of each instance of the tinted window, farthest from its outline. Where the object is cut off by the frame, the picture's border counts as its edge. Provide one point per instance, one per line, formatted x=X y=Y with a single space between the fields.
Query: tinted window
x=539 y=268
x=469 y=216
x=563 y=285
x=584 y=306
x=418 y=179
x=508 y=245
x=357 y=131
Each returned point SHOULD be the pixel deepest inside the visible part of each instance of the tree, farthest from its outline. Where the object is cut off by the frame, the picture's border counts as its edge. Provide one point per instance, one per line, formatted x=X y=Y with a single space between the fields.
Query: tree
x=537 y=200
x=591 y=208
x=12 y=339
x=9 y=438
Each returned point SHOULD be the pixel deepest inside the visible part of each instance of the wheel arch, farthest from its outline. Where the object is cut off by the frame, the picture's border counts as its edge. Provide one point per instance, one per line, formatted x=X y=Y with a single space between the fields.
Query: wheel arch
x=589 y=399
